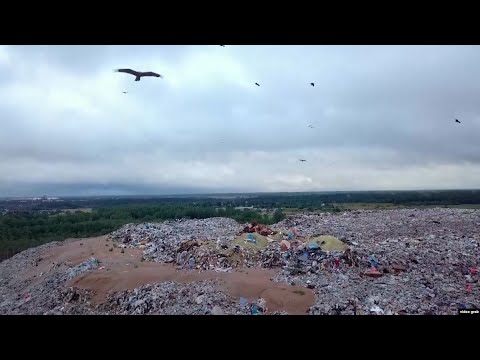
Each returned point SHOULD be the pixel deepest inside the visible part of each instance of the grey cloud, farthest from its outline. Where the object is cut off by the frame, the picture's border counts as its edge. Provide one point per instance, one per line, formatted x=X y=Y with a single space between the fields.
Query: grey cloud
x=388 y=108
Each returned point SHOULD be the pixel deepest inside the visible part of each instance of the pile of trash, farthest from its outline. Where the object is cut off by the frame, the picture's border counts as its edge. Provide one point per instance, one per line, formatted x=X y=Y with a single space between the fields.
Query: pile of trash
x=432 y=268
x=166 y=298
x=89 y=264
x=162 y=242
x=207 y=244
x=170 y=298
x=49 y=295
x=405 y=261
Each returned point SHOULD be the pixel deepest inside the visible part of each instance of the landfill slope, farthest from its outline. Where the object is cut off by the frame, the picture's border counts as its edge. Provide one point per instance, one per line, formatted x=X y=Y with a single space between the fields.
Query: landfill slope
x=405 y=261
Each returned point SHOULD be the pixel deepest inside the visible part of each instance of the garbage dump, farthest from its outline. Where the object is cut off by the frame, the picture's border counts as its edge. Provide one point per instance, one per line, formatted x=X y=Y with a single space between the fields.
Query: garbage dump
x=356 y=263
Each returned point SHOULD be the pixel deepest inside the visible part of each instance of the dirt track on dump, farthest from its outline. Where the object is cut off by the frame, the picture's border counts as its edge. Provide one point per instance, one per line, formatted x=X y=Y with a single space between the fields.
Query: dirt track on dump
x=122 y=271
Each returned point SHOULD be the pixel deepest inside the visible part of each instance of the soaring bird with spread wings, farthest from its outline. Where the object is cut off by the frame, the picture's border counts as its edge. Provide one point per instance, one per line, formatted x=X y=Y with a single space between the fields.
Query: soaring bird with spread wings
x=302 y=160
x=139 y=74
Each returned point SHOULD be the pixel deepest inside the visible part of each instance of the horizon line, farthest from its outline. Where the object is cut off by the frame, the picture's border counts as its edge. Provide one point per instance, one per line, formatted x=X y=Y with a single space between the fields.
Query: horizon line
x=234 y=193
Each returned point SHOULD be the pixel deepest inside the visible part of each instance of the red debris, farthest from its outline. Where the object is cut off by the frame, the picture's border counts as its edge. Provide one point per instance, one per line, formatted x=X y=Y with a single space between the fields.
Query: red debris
x=259 y=229
x=468 y=288
x=473 y=270
x=285 y=245
x=373 y=272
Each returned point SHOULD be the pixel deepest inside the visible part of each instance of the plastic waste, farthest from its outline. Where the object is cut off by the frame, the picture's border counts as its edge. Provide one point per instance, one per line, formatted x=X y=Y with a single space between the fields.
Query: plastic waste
x=377 y=310
x=243 y=301
x=251 y=238
x=372 y=261
x=303 y=257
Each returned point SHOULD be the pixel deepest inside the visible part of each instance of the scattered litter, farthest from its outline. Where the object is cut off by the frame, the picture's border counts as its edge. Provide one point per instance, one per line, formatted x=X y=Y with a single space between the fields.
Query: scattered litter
x=377 y=310
x=90 y=264
x=243 y=301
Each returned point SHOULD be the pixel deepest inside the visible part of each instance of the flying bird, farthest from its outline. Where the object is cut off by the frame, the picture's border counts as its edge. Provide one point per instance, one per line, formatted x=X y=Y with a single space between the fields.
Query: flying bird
x=139 y=74
x=456 y=120
x=257 y=84
x=222 y=45
x=125 y=92
x=302 y=160
x=313 y=84
x=310 y=126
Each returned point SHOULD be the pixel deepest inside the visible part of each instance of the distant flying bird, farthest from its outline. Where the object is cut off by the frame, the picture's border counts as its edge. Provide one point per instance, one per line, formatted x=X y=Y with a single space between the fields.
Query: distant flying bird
x=125 y=92
x=139 y=74
x=310 y=126
x=313 y=84
x=257 y=84
x=302 y=160
x=222 y=45
x=456 y=120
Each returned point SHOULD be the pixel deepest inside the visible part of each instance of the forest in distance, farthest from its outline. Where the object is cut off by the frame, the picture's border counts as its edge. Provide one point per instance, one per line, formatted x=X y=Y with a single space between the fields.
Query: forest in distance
x=27 y=223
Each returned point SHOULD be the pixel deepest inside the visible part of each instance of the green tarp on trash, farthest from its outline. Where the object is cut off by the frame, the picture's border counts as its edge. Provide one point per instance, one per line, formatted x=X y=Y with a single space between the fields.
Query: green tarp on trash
x=328 y=243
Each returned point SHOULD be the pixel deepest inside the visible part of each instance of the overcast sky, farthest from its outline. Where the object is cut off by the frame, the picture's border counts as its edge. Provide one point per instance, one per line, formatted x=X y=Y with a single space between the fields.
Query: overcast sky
x=383 y=118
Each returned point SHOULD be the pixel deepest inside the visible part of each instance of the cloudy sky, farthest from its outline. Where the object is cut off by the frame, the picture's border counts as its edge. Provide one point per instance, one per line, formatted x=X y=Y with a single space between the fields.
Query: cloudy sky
x=383 y=118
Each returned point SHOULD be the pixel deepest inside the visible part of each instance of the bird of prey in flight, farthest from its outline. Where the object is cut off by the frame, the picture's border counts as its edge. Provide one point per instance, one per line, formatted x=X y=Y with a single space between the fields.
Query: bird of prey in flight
x=456 y=120
x=257 y=84
x=313 y=84
x=139 y=74
x=125 y=92
x=302 y=160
